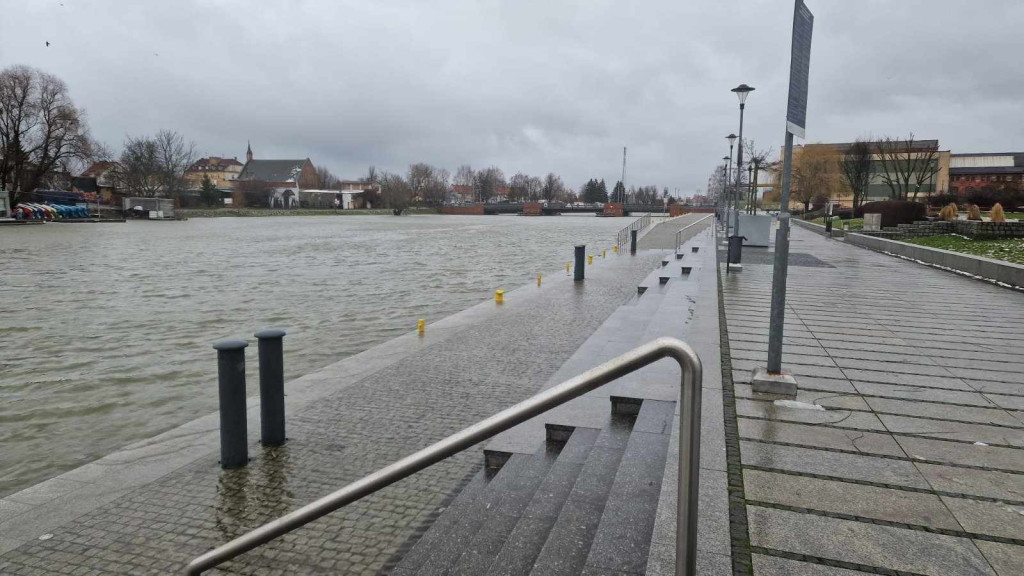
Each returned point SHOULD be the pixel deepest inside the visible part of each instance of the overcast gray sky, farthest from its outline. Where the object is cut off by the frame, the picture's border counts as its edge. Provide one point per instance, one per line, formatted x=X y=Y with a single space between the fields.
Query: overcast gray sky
x=533 y=86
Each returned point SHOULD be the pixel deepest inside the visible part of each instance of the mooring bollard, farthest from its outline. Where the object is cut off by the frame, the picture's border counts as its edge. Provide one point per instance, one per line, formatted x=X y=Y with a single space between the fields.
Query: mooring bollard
x=632 y=241
x=421 y=325
x=234 y=449
x=271 y=349
x=581 y=250
x=590 y=259
x=615 y=249
x=499 y=296
x=538 y=278
x=604 y=253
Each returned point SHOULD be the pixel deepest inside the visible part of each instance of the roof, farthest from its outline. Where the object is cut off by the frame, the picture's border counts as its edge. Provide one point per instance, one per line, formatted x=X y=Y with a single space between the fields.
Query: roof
x=273 y=170
x=97 y=169
x=844 y=146
x=213 y=163
x=987 y=170
x=84 y=183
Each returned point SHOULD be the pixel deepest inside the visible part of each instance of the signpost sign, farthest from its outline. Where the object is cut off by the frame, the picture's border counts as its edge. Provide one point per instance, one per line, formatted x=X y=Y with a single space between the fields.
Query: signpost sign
x=773 y=379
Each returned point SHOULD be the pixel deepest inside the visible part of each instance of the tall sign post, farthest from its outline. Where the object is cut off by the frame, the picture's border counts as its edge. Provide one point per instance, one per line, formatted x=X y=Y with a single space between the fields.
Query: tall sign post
x=773 y=379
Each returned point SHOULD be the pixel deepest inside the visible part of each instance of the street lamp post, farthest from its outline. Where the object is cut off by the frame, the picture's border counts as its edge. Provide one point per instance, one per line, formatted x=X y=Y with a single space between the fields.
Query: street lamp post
x=729 y=191
x=750 y=188
x=741 y=92
x=724 y=193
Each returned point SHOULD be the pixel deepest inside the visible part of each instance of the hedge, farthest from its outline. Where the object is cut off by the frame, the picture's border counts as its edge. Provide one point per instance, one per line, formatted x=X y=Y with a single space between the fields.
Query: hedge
x=894 y=212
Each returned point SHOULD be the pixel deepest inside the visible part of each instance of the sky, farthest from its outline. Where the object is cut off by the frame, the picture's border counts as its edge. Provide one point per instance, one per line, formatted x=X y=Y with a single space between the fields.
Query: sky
x=535 y=86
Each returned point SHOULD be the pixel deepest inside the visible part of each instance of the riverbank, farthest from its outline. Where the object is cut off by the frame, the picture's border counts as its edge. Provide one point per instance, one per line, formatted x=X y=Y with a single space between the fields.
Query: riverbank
x=267 y=212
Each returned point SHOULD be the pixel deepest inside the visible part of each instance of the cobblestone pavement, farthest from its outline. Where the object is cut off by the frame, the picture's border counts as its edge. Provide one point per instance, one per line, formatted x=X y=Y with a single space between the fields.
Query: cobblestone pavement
x=489 y=363
x=906 y=452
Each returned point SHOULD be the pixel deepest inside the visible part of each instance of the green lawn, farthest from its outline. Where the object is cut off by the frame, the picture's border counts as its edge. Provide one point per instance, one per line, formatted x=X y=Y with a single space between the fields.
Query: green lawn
x=855 y=223
x=1009 y=249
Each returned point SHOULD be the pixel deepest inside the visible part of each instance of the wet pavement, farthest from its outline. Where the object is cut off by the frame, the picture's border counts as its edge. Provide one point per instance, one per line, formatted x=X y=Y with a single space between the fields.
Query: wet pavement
x=903 y=452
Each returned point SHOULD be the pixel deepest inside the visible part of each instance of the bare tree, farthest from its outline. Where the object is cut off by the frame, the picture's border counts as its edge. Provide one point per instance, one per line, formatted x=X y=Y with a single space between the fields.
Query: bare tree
x=906 y=167
x=154 y=166
x=534 y=188
x=553 y=187
x=464 y=178
x=40 y=128
x=371 y=174
x=757 y=158
x=815 y=173
x=325 y=180
x=488 y=183
x=855 y=165
x=395 y=192
x=518 y=187
x=428 y=183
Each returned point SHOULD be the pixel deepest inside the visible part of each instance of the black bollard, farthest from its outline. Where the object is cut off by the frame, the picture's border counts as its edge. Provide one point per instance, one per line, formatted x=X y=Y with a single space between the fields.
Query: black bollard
x=577 y=271
x=632 y=241
x=234 y=450
x=271 y=352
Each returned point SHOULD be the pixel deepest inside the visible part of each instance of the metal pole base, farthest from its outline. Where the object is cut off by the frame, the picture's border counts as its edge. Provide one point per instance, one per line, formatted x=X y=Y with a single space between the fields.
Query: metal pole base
x=765 y=382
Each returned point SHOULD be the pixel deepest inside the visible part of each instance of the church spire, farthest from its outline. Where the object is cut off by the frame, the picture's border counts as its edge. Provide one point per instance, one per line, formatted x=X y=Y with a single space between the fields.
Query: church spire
x=248 y=151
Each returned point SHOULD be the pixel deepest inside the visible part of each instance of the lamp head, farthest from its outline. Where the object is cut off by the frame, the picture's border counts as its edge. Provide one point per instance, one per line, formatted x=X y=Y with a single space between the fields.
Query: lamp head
x=741 y=92
x=731 y=138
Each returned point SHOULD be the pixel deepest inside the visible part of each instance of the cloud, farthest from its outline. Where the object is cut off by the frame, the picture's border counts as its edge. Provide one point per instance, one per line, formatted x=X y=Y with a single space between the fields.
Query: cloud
x=526 y=85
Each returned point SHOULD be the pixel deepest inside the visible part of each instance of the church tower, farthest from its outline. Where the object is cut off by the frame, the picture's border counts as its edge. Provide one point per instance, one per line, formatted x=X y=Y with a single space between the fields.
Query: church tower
x=248 y=152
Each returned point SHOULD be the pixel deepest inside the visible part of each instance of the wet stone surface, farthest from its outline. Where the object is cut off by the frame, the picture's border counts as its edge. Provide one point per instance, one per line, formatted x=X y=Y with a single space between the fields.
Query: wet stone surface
x=488 y=365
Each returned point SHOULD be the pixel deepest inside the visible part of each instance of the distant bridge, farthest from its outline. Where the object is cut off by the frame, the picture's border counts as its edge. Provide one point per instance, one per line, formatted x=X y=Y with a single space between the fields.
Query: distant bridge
x=517 y=208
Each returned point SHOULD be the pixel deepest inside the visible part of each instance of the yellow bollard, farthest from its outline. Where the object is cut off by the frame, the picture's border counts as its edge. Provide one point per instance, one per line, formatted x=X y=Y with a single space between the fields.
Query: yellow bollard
x=568 y=266
x=421 y=326
x=499 y=296
x=615 y=249
x=538 y=279
x=590 y=258
x=604 y=253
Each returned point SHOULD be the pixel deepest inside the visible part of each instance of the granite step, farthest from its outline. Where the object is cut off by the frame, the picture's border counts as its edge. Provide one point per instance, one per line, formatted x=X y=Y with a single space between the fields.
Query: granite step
x=443 y=545
x=513 y=500
x=519 y=552
x=568 y=544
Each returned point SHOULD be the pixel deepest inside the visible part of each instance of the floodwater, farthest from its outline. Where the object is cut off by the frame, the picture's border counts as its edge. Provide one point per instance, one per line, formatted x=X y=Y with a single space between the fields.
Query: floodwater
x=106 y=329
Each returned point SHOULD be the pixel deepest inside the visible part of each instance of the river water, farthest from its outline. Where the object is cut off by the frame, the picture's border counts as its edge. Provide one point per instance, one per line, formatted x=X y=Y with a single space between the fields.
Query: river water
x=106 y=330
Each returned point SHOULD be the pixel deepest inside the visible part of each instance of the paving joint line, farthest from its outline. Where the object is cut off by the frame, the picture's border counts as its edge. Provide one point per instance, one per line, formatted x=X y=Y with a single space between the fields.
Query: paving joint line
x=874 y=484
x=889 y=523
x=832 y=563
x=739 y=532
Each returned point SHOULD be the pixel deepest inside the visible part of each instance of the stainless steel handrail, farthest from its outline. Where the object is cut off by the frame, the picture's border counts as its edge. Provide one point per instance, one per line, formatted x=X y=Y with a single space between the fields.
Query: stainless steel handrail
x=689 y=454
x=622 y=237
x=680 y=231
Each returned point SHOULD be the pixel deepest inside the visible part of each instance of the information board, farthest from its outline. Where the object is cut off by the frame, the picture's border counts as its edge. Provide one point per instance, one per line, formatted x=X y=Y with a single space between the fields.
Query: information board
x=799 y=69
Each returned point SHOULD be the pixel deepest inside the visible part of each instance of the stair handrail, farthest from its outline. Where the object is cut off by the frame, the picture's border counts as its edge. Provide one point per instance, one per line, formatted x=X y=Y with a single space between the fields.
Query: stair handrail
x=679 y=232
x=622 y=237
x=689 y=454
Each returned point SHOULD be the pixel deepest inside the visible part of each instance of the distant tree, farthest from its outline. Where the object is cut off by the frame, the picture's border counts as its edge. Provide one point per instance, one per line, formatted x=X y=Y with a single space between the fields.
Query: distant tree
x=758 y=159
x=594 y=191
x=209 y=193
x=253 y=193
x=619 y=192
x=488 y=183
x=552 y=188
x=905 y=167
x=371 y=174
x=395 y=192
x=602 y=191
x=855 y=165
x=154 y=166
x=325 y=180
x=518 y=187
x=815 y=173
x=429 y=184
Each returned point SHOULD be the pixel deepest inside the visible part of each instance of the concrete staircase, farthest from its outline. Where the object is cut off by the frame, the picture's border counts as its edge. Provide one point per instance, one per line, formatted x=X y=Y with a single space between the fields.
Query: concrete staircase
x=588 y=501
x=577 y=490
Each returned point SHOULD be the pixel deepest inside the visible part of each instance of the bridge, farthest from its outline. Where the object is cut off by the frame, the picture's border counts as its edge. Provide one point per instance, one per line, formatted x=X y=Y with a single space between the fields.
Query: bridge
x=549 y=209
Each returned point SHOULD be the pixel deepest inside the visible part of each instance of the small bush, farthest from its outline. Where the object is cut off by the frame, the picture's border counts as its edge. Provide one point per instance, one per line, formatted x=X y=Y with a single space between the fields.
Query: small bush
x=997 y=213
x=981 y=196
x=974 y=213
x=946 y=214
x=941 y=199
x=894 y=212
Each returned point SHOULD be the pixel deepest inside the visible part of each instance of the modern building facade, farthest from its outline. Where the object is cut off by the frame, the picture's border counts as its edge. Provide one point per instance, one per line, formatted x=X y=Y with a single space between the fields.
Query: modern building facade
x=995 y=171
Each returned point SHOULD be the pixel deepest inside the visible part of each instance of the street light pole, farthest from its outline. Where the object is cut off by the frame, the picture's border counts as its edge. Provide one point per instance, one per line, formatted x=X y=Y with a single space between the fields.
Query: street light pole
x=741 y=92
x=729 y=191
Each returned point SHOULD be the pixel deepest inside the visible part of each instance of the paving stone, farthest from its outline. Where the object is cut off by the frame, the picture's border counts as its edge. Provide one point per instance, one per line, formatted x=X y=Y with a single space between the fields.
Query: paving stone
x=987 y=483
x=830 y=400
x=855 y=499
x=920 y=393
x=1007 y=559
x=775 y=566
x=940 y=411
x=961 y=453
x=874 y=545
x=817 y=436
x=992 y=518
x=836 y=464
x=953 y=430
x=840 y=418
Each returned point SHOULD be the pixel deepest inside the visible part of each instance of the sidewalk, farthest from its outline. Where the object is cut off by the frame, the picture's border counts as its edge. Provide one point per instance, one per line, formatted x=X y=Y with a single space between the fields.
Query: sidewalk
x=907 y=450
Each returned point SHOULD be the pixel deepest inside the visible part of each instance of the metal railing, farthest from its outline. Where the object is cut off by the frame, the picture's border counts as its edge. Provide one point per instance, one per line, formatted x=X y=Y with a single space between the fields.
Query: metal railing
x=622 y=238
x=679 y=233
x=689 y=454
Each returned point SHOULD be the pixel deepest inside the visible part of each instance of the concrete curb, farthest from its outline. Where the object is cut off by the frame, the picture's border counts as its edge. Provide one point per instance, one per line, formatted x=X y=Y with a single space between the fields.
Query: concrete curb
x=1005 y=274
x=818 y=228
